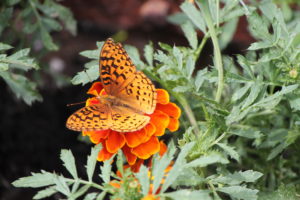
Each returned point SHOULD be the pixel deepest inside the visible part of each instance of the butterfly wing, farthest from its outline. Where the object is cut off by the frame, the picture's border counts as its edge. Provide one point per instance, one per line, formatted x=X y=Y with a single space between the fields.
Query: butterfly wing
x=116 y=68
x=120 y=78
x=90 y=118
x=126 y=120
x=140 y=93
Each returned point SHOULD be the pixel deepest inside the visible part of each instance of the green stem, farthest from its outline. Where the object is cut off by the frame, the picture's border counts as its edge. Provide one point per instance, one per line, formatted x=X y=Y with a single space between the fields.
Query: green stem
x=217 y=51
x=199 y=49
x=214 y=190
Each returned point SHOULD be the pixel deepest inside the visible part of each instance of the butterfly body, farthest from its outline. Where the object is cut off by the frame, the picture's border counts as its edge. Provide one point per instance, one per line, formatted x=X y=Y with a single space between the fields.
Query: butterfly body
x=130 y=96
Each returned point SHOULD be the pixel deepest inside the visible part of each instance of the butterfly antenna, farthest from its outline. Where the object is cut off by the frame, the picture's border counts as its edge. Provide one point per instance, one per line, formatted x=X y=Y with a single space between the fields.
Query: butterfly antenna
x=73 y=104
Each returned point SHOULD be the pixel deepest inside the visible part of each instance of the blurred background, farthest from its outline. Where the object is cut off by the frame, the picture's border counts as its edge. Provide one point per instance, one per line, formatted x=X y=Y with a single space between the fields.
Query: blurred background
x=32 y=136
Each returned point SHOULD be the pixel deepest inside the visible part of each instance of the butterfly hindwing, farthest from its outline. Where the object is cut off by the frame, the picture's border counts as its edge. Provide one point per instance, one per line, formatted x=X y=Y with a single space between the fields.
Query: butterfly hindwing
x=90 y=118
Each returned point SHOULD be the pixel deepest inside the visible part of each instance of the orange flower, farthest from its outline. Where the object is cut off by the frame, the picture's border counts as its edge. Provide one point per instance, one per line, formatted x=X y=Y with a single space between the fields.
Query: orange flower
x=150 y=197
x=140 y=144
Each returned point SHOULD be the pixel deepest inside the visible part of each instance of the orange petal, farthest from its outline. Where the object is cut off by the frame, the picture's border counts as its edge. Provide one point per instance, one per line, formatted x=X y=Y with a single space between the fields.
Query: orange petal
x=114 y=142
x=150 y=197
x=135 y=138
x=173 y=125
x=136 y=167
x=97 y=136
x=147 y=149
x=104 y=154
x=91 y=101
x=161 y=121
x=95 y=89
x=162 y=96
x=131 y=158
x=163 y=148
x=150 y=129
x=170 y=109
x=115 y=184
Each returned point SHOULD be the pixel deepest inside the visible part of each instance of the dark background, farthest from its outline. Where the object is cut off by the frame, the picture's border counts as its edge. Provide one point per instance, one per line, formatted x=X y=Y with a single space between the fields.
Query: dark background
x=32 y=136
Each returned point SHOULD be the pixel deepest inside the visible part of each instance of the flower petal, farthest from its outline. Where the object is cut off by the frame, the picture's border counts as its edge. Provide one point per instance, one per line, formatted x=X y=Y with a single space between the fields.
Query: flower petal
x=95 y=89
x=163 y=148
x=104 y=154
x=147 y=149
x=131 y=158
x=135 y=138
x=91 y=101
x=161 y=122
x=97 y=136
x=162 y=96
x=173 y=125
x=136 y=166
x=114 y=141
x=170 y=109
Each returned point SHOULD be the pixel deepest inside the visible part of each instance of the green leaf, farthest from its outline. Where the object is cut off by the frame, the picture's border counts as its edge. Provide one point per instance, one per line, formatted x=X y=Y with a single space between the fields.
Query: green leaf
x=178 y=166
x=230 y=151
x=260 y=45
x=45 y=193
x=106 y=170
x=62 y=186
x=90 y=196
x=91 y=162
x=148 y=53
x=254 y=92
x=236 y=178
x=86 y=76
x=181 y=88
x=178 y=56
x=101 y=195
x=134 y=55
x=294 y=100
x=194 y=15
x=4 y=46
x=178 y=18
x=228 y=31
x=210 y=158
x=240 y=192
x=51 y=23
x=241 y=92
x=190 y=34
x=200 y=78
x=92 y=54
x=185 y=194
x=22 y=87
x=259 y=27
x=190 y=66
x=160 y=165
x=245 y=65
x=69 y=162
x=3 y=66
x=36 y=180
x=79 y=192
x=47 y=40
x=277 y=150
x=143 y=178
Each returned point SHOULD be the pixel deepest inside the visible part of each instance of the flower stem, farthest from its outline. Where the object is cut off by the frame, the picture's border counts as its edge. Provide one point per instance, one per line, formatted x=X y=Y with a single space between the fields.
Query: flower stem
x=217 y=51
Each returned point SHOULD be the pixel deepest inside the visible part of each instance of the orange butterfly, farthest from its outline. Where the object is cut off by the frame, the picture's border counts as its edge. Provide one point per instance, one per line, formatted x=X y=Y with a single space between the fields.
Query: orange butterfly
x=130 y=95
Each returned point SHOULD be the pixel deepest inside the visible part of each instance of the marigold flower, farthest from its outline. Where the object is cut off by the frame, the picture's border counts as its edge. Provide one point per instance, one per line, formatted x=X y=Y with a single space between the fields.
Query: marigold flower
x=140 y=144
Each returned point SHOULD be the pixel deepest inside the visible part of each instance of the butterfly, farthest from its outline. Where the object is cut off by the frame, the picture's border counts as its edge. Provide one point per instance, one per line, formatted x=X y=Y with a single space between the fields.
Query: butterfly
x=130 y=95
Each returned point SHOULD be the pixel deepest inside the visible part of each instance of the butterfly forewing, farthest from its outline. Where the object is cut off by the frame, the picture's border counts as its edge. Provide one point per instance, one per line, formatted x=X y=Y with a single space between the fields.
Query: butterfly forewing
x=90 y=118
x=116 y=68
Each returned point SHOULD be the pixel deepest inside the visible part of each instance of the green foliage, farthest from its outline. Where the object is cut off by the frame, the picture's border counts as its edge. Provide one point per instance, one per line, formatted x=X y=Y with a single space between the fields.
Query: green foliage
x=239 y=134
x=12 y=68
x=24 y=24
